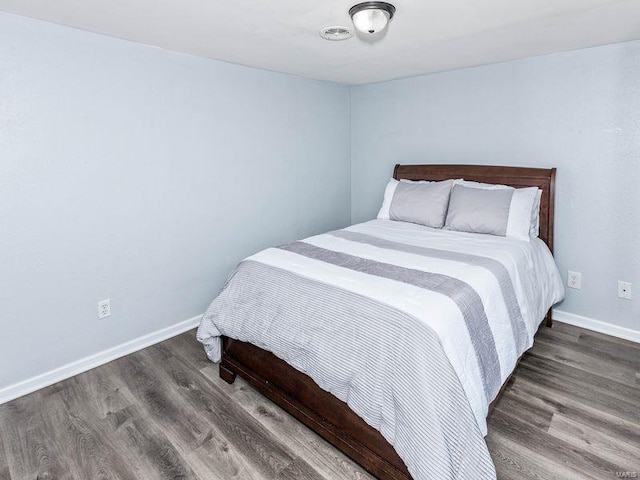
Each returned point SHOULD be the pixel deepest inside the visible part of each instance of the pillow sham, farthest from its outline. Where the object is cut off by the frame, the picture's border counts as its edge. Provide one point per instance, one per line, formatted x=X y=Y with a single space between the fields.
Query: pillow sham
x=422 y=202
x=534 y=225
x=479 y=210
x=493 y=209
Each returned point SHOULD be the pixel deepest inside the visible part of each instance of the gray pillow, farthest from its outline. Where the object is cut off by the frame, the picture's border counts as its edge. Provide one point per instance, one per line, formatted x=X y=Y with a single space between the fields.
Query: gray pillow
x=478 y=210
x=422 y=203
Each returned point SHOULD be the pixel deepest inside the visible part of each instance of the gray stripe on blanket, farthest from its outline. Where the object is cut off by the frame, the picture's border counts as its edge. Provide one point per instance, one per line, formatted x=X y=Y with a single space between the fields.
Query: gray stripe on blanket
x=464 y=296
x=520 y=335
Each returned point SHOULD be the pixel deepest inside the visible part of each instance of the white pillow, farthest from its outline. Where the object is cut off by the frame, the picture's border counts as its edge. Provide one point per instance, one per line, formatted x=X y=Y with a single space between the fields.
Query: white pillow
x=389 y=190
x=523 y=215
x=535 y=216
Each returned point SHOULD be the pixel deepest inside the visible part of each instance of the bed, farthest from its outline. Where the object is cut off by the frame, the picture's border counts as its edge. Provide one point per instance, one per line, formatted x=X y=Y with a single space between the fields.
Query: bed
x=439 y=435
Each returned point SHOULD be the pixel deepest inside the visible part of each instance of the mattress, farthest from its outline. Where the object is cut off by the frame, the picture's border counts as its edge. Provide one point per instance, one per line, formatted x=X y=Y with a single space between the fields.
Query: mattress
x=416 y=329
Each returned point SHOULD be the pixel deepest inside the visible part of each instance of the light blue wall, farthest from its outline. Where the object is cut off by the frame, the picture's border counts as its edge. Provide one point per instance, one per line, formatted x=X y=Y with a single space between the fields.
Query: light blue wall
x=142 y=175
x=136 y=174
x=577 y=111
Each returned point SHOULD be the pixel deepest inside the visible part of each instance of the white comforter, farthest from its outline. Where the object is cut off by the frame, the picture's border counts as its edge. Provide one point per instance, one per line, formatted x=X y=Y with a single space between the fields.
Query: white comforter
x=533 y=272
x=347 y=260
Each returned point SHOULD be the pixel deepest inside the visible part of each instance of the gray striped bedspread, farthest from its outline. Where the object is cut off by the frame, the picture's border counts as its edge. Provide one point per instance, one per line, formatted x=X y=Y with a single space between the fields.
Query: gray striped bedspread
x=415 y=329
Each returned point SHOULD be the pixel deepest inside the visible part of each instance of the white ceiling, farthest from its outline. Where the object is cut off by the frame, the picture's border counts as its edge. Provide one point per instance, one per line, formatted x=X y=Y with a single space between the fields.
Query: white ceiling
x=425 y=36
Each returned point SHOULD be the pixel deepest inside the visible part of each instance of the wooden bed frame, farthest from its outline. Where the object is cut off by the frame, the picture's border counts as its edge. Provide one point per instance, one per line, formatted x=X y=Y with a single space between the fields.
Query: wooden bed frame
x=331 y=418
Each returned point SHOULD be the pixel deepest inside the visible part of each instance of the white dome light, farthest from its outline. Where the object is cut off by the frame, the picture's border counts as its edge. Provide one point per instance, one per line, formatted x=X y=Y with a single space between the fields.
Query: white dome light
x=371 y=17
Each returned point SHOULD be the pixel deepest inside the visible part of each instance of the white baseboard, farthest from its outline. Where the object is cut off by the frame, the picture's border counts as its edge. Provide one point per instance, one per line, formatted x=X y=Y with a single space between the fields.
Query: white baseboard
x=597 y=325
x=79 y=366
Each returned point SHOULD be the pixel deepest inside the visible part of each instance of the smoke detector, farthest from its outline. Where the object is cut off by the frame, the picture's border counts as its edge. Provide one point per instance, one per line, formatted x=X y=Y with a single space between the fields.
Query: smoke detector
x=336 y=33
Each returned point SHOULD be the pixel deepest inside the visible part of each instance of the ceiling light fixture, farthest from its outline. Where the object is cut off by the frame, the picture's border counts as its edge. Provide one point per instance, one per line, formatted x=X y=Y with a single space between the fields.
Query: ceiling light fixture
x=371 y=17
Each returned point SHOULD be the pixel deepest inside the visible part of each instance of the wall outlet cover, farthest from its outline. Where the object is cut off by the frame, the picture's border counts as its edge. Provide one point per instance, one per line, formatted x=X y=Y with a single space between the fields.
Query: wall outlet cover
x=574 y=280
x=104 y=308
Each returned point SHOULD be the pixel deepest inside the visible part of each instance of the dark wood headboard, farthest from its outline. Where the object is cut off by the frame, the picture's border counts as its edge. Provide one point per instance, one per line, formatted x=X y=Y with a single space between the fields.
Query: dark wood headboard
x=519 y=177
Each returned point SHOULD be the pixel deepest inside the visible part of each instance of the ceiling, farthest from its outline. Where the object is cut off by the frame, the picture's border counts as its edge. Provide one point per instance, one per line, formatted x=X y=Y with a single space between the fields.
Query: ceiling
x=425 y=36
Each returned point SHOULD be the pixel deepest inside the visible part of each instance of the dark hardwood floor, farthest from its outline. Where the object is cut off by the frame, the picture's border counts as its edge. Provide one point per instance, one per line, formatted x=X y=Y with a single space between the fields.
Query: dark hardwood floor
x=572 y=411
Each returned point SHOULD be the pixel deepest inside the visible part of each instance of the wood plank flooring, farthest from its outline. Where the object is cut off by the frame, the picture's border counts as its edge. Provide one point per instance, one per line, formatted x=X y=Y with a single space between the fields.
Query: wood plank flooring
x=572 y=411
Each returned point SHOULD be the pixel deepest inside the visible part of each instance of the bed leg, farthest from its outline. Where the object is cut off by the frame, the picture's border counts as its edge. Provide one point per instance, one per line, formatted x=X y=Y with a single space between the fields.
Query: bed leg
x=227 y=375
x=549 y=319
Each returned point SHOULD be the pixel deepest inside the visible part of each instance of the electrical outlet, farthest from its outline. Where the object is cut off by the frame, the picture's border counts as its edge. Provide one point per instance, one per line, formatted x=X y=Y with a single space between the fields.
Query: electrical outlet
x=104 y=309
x=574 y=280
x=624 y=290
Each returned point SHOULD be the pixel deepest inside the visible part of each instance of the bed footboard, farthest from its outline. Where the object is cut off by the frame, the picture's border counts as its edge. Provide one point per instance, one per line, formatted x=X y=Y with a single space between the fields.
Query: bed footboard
x=325 y=414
